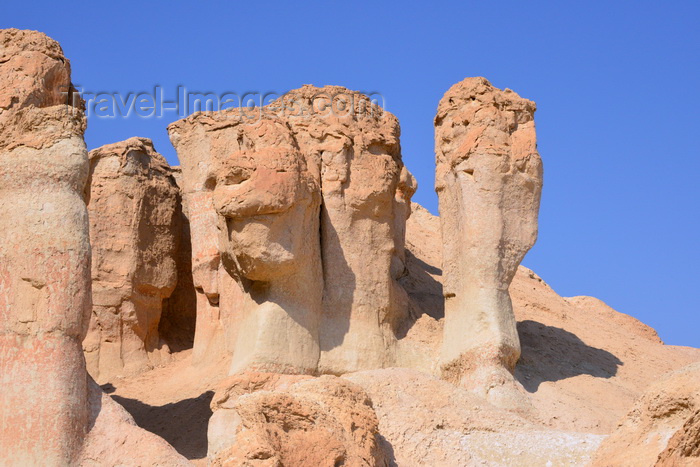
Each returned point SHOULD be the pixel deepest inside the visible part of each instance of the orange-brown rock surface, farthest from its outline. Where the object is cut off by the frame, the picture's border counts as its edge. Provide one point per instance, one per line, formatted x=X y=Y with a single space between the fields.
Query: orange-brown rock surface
x=293 y=421
x=583 y=365
x=253 y=191
x=44 y=255
x=50 y=410
x=683 y=449
x=353 y=147
x=489 y=181
x=663 y=427
x=134 y=211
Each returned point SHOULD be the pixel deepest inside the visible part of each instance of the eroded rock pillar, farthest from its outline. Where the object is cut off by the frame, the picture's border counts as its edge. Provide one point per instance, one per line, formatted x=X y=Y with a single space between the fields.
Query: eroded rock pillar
x=354 y=147
x=51 y=412
x=489 y=181
x=255 y=183
x=44 y=255
x=198 y=180
x=133 y=205
x=268 y=205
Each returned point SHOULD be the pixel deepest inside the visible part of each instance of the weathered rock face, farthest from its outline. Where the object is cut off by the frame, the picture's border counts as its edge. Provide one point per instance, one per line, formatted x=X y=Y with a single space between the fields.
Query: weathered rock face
x=35 y=87
x=663 y=427
x=489 y=181
x=430 y=422
x=683 y=449
x=50 y=410
x=198 y=180
x=177 y=323
x=293 y=421
x=134 y=210
x=44 y=255
x=298 y=269
x=353 y=147
x=267 y=204
x=267 y=207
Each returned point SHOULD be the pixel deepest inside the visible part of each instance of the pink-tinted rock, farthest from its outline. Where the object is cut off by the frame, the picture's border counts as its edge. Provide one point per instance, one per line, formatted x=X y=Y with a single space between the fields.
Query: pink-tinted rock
x=44 y=256
x=46 y=415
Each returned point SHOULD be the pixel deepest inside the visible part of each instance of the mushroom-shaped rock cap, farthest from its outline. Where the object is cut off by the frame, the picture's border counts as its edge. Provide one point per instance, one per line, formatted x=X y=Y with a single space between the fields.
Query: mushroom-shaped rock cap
x=154 y=162
x=480 y=92
x=34 y=70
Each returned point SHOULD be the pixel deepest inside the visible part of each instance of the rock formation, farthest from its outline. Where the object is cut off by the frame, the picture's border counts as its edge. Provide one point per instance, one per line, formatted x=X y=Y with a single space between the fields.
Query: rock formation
x=663 y=427
x=350 y=161
x=267 y=205
x=353 y=147
x=115 y=439
x=583 y=364
x=293 y=421
x=133 y=205
x=46 y=414
x=295 y=223
x=198 y=179
x=430 y=422
x=44 y=255
x=178 y=321
x=684 y=447
x=488 y=179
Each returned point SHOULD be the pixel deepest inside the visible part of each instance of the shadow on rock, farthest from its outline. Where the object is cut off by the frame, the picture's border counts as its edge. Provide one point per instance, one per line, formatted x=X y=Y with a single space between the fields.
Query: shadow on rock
x=424 y=292
x=553 y=354
x=388 y=449
x=339 y=286
x=183 y=424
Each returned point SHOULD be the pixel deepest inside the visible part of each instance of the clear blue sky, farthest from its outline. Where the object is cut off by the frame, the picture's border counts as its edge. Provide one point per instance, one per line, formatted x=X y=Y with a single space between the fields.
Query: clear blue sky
x=617 y=86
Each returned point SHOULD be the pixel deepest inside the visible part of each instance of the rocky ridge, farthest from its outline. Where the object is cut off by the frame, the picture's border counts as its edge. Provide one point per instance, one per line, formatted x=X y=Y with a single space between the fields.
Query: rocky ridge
x=435 y=349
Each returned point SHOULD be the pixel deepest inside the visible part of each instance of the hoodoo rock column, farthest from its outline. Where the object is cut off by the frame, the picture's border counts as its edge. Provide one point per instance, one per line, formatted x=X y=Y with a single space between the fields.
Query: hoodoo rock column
x=51 y=412
x=354 y=147
x=134 y=231
x=489 y=181
x=44 y=255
